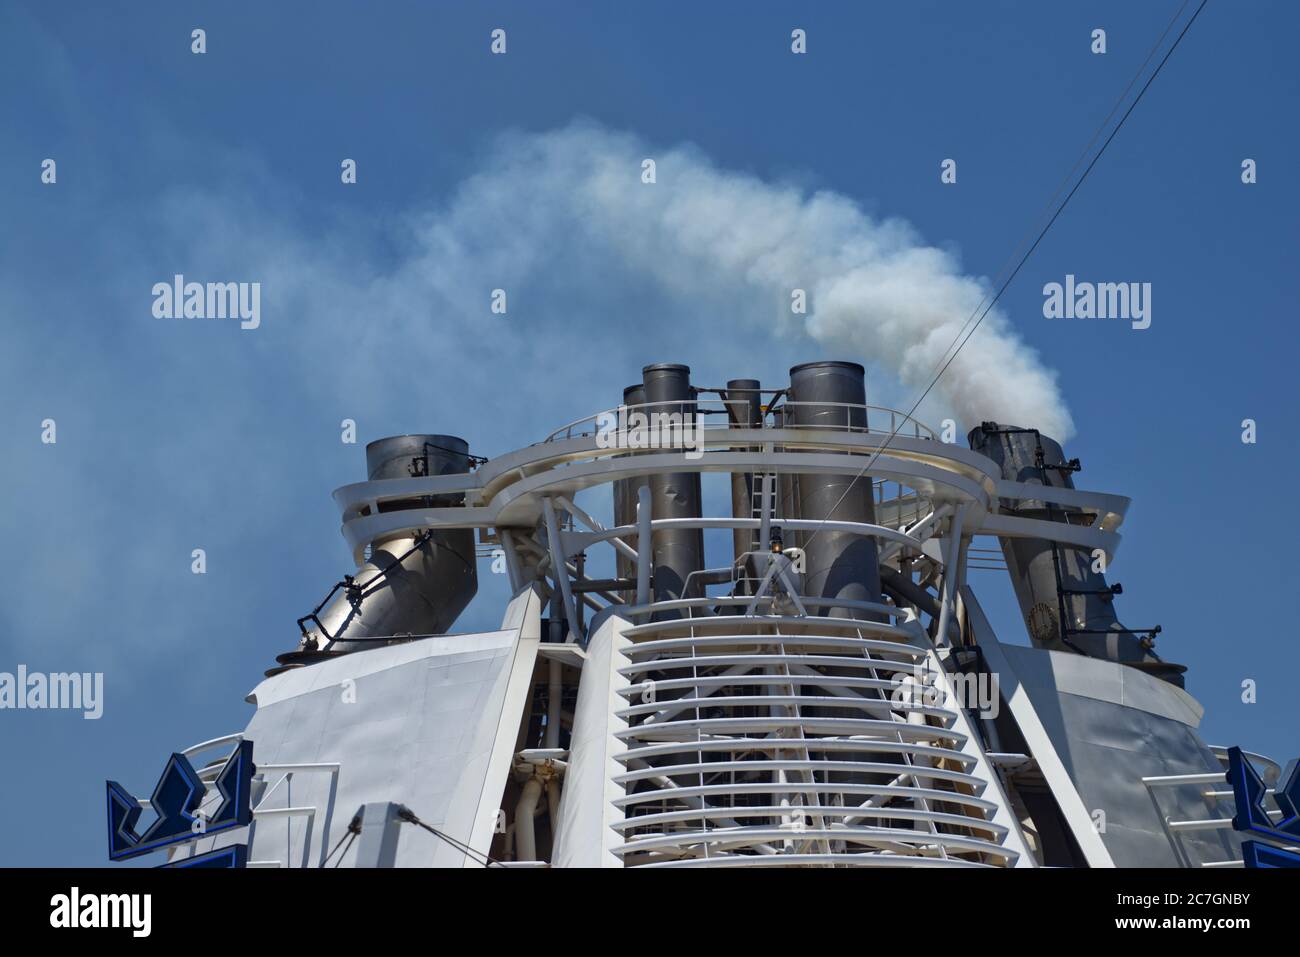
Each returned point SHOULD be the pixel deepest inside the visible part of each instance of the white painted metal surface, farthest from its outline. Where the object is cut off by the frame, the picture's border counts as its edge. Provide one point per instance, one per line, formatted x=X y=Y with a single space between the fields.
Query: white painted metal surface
x=429 y=724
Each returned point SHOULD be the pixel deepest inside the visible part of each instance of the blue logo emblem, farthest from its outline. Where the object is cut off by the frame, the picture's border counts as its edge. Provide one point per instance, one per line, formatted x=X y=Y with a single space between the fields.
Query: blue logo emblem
x=1256 y=854
x=1249 y=792
x=236 y=855
x=176 y=799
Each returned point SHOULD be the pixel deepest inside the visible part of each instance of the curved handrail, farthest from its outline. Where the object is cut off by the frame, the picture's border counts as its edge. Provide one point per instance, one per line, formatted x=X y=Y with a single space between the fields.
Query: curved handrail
x=1271 y=773
x=899 y=422
x=202 y=746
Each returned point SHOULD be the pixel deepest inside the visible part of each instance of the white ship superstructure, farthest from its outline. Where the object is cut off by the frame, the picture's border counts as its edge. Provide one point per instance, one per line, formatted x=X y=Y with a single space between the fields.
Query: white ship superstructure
x=829 y=693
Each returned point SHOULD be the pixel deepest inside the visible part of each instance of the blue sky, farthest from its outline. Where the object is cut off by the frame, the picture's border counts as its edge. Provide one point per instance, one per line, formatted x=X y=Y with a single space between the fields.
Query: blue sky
x=225 y=166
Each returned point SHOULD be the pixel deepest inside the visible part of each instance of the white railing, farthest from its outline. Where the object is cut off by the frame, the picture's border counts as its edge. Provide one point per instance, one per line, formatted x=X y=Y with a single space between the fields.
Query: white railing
x=262 y=811
x=1211 y=788
x=856 y=417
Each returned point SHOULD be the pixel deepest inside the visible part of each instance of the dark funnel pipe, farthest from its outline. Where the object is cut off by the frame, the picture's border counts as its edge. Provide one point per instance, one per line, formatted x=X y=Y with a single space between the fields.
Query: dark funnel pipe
x=832 y=396
x=625 y=496
x=432 y=585
x=678 y=551
x=1066 y=605
x=744 y=411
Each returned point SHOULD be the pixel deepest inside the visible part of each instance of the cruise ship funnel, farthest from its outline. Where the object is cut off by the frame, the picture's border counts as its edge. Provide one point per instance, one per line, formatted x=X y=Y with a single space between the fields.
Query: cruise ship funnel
x=839 y=564
x=678 y=551
x=1065 y=600
x=409 y=585
x=744 y=411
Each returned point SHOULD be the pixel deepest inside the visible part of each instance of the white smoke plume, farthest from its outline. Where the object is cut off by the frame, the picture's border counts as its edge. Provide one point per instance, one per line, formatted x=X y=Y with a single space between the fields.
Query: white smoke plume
x=572 y=201
x=386 y=321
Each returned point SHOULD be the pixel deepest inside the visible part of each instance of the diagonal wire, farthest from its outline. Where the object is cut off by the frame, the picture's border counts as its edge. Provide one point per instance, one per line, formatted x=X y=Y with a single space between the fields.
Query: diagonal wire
x=477 y=856
x=347 y=847
x=353 y=829
x=982 y=310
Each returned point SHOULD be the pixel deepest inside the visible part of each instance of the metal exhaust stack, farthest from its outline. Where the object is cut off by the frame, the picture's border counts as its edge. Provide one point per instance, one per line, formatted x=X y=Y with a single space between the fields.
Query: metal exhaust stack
x=1066 y=605
x=678 y=551
x=426 y=592
x=744 y=411
x=625 y=496
x=838 y=564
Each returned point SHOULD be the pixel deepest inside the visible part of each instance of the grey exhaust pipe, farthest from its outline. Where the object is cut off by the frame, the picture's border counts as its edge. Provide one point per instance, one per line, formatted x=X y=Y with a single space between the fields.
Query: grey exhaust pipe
x=832 y=395
x=1066 y=604
x=430 y=578
x=677 y=551
x=625 y=497
x=744 y=411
